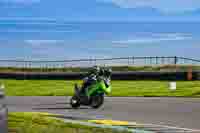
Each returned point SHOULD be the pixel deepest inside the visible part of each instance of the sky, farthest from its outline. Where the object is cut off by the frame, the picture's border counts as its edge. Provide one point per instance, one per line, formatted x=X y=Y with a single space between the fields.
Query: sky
x=101 y=10
x=37 y=39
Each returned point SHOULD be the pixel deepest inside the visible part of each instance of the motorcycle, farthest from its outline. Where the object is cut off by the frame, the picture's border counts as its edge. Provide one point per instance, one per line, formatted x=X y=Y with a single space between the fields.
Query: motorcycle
x=93 y=95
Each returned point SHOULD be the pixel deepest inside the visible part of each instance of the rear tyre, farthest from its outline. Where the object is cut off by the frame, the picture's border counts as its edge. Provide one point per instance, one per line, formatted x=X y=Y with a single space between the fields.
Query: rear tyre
x=97 y=101
x=75 y=102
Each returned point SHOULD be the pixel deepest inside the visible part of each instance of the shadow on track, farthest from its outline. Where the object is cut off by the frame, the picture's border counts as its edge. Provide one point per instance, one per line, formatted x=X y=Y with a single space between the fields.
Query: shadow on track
x=66 y=103
x=58 y=108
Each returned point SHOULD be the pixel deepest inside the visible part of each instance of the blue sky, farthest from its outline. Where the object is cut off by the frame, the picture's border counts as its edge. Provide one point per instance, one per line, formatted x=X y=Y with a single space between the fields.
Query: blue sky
x=20 y=35
x=121 y=10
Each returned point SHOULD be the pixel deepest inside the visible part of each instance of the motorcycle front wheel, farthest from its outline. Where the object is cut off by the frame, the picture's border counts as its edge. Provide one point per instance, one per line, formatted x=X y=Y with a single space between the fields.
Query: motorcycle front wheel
x=97 y=101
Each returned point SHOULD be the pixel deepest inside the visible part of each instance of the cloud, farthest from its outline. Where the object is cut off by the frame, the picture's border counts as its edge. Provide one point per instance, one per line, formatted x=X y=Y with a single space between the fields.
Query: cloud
x=167 y=6
x=20 y=1
x=38 y=31
x=155 y=38
x=41 y=43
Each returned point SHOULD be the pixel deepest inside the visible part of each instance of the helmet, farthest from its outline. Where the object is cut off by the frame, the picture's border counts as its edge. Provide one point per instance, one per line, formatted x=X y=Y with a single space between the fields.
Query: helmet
x=101 y=72
x=95 y=70
x=107 y=72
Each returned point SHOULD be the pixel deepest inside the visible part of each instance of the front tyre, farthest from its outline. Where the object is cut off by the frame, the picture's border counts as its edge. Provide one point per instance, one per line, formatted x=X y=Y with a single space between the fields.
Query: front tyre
x=75 y=102
x=97 y=101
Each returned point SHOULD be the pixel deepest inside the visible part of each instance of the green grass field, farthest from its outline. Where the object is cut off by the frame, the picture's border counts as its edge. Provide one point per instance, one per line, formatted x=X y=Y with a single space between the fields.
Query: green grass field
x=40 y=123
x=119 y=88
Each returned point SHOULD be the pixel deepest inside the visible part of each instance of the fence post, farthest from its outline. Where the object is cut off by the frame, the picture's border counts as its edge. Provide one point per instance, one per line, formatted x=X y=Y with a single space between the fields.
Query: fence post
x=90 y=61
x=95 y=62
x=175 y=60
x=156 y=60
x=162 y=60
x=3 y=113
x=189 y=73
x=152 y=61
x=128 y=61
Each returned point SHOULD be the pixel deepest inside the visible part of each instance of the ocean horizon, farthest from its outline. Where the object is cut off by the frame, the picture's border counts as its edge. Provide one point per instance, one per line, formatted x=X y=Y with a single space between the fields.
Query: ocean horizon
x=60 y=40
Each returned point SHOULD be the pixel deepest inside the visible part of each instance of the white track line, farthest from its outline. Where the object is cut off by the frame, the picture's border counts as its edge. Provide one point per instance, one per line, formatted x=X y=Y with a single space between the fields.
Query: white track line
x=171 y=127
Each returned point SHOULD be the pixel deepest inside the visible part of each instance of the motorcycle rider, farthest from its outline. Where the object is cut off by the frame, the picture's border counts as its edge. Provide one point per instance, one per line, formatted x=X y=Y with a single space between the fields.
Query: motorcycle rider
x=96 y=74
x=103 y=77
x=107 y=76
x=95 y=85
x=91 y=77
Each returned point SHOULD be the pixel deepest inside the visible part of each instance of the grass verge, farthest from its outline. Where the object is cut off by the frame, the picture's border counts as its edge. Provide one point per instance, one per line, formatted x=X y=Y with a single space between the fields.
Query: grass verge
x=119 y=88
x=28 y=122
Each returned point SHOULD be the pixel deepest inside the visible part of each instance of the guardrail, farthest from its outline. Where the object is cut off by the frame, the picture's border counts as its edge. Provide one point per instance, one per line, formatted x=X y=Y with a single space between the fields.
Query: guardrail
x=123 y=61
x=3 y=113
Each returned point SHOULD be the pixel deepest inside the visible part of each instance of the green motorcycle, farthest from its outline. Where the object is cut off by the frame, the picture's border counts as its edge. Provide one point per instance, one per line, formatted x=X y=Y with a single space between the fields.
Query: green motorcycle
x=93 y=95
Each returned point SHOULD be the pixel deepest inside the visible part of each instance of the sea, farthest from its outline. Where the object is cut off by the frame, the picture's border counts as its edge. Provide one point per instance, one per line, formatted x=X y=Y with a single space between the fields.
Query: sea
x=63 y=40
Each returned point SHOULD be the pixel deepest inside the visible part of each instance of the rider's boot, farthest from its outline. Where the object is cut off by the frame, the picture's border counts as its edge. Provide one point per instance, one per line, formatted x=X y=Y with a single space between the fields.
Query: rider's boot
x=76 y=88
x=87 y=94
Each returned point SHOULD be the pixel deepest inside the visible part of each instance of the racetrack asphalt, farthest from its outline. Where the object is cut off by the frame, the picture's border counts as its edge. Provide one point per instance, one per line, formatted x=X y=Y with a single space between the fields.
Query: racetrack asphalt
x=176 y=112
